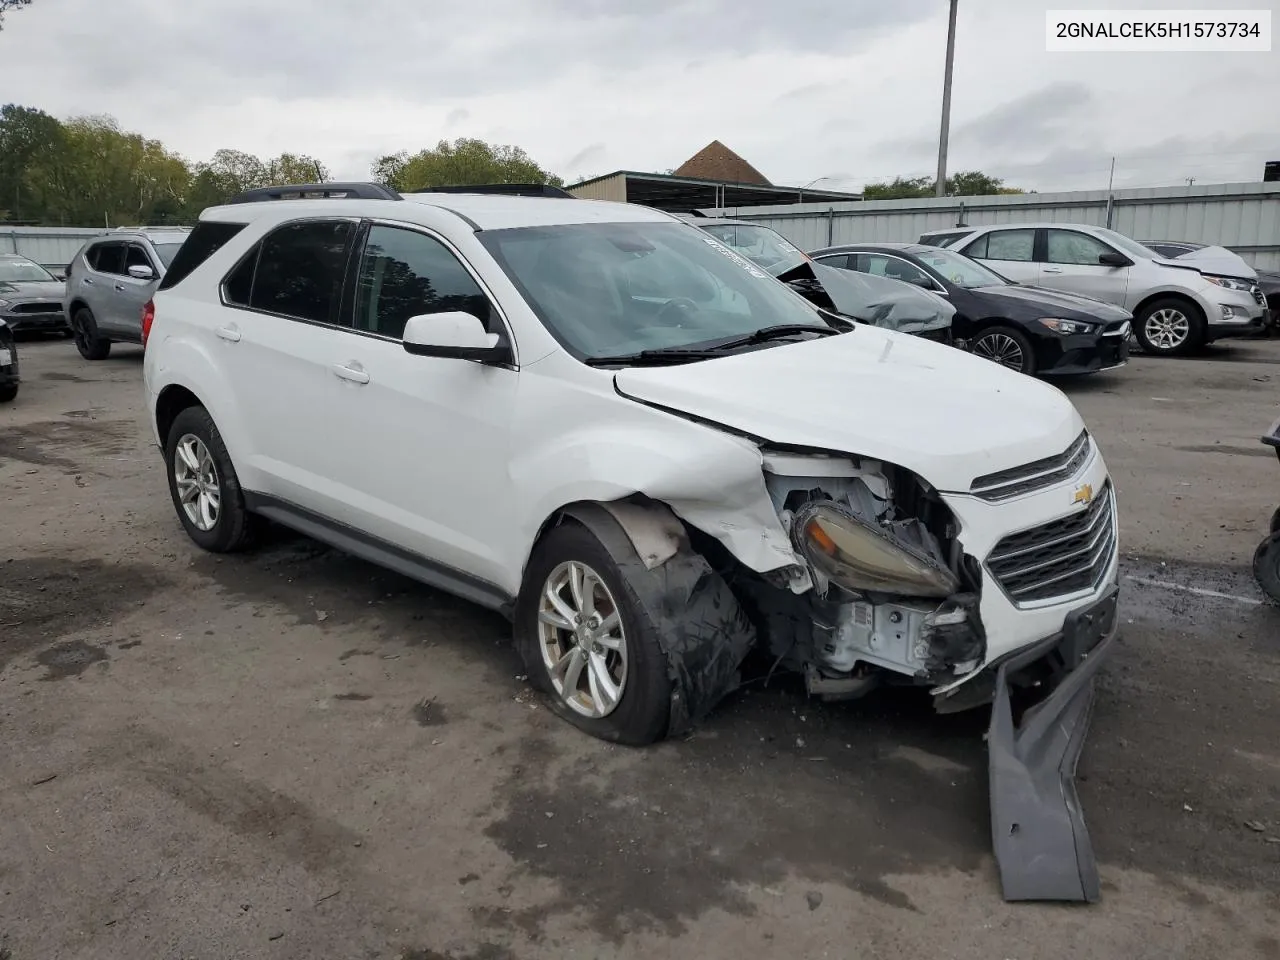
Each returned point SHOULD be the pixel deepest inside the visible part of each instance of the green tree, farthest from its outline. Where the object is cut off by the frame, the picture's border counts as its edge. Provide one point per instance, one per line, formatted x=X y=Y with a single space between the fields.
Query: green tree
x=26 y=135
x=972 y=183
x=464 y=161
x=7 y=5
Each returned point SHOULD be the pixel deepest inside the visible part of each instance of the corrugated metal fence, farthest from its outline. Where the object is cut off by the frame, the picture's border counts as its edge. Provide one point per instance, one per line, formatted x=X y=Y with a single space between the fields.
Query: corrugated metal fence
x=1245 y=217
x=52 y=247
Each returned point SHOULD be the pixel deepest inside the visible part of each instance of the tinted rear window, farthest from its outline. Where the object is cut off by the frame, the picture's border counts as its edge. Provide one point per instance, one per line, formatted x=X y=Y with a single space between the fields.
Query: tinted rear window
x=204 y=241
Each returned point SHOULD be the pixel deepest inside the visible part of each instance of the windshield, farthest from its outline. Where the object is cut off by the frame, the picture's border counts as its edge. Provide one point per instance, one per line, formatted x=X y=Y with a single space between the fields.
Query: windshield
x=762 y=246
x=960 y=270
x=1132 y=247
x=610 y=289
x=23 y=271
x=167 y=252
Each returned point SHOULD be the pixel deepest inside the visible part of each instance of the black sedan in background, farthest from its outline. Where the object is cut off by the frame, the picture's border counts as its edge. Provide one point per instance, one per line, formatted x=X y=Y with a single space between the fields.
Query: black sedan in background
x=1031 y=329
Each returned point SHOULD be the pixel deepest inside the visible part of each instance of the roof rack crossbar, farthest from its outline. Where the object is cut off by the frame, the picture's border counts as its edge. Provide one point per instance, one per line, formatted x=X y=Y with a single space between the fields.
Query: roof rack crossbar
x=504 y=189
x=317 y=191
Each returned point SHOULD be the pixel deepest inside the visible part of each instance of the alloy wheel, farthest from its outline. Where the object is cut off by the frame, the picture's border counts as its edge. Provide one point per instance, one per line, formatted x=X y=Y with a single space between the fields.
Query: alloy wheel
x=196 y=477
x=1167 y=329
x=1001 y=349
x=580 y=633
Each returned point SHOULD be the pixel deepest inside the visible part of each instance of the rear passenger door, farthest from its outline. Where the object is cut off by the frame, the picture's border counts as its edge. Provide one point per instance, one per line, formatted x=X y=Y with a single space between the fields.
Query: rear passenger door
x=277 y=345
x=1008 y=251
x=131 y=294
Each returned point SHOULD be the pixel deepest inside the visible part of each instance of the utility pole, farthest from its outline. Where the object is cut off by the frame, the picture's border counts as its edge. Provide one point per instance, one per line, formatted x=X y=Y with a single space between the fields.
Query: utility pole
x=946 y=103
x=1191 y=181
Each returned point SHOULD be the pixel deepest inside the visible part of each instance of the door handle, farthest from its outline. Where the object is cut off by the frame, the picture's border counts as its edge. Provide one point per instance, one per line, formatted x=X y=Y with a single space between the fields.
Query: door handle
x=1052 y=269
x=351 y=371
x=89 y=281
x=229 y=333
x=120 y=287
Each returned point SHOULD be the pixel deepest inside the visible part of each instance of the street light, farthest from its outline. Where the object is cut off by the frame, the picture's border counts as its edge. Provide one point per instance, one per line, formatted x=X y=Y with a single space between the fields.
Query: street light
x=946 y=104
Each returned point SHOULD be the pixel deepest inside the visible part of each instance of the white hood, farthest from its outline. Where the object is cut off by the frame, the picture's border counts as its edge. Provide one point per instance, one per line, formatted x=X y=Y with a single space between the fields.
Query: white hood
x=1217 y=261
x=946 y=415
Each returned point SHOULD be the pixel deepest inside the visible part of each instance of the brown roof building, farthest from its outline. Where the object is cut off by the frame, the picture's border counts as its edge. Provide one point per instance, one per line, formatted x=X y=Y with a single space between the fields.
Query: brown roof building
x=713 y=178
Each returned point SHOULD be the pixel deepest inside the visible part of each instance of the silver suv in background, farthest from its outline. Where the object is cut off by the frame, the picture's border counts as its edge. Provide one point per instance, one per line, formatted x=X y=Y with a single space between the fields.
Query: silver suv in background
x=111 y=279
x=1178 y=305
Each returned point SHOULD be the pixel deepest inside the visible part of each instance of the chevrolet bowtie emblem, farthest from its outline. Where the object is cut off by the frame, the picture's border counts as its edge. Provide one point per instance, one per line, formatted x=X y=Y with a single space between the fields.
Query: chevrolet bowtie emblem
x=1084 y=494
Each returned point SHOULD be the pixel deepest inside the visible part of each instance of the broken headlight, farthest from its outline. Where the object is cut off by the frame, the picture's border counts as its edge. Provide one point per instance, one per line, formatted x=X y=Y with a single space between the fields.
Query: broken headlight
x=863 y=558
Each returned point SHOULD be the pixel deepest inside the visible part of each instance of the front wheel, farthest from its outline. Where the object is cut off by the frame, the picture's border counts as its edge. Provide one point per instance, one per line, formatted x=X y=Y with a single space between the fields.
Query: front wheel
x=89 y=341
x=1170 y=327
x=8 y=393
x=203 y=484
x=1266 y=566
x=1005 y=346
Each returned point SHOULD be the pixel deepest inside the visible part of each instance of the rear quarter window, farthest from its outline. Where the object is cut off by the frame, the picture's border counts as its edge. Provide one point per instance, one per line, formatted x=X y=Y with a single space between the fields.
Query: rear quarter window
x=208 y=237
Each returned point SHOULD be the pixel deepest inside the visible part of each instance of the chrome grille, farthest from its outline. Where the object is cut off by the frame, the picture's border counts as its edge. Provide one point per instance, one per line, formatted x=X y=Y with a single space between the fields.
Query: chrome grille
x=1058 y=558
x=1034 y=476
x=1257 y=293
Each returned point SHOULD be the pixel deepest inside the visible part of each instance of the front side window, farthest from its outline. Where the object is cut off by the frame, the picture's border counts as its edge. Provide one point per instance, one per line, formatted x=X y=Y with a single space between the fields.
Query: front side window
x=605 y=289
x=404 y=274
x=879 y=265
x=135 y=256
x=166 y=252
x=1070 y=247
x=300 y=269
x=1014 y=245
x=107 y=258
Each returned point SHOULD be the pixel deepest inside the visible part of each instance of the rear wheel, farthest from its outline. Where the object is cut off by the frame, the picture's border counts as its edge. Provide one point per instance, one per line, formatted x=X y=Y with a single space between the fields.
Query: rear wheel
x=1005 y=346
x=1169 y=326
x=203 y=484
x=8 y=392
x=89 y=341
x=1266 y=566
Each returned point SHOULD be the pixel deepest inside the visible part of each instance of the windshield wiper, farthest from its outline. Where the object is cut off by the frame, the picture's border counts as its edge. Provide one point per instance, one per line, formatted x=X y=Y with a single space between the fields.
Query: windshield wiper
x=777 y=332
x=655 y=356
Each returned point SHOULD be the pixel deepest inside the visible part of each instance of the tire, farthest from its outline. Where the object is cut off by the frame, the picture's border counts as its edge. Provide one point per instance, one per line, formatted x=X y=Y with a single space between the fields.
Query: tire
x=1170 y=327
x=196 y=460
x=995 y=343
x=1266 y=566
x=8 y=393
x=1275 y=521
x=91 y=344
x=682 y=633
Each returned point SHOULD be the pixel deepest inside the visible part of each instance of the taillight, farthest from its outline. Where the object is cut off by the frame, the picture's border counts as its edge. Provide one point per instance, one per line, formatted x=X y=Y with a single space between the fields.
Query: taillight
x=148 y=318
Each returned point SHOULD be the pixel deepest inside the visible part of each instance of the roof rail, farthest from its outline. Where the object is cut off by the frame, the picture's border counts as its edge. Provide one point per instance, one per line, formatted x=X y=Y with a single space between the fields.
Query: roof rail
x=155 y=229
x=318 y=191
x=505 y=189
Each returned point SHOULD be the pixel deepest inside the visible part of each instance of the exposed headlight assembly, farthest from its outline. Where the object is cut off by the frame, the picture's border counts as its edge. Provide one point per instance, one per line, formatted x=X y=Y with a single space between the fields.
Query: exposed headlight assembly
x=1230 y=283
x=864 y=557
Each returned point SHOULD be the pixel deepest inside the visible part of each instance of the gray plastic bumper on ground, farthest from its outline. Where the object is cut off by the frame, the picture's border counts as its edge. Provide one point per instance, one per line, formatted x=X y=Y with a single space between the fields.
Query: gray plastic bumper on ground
x=1041 y=843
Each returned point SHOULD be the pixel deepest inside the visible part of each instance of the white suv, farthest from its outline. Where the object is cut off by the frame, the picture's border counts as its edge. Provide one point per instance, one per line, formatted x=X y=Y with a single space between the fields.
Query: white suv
x=649 y=453
x=1178 y=305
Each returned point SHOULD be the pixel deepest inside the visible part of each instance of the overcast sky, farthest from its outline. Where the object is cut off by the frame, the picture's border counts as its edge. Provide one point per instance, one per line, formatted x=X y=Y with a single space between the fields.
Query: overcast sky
x=849 y=91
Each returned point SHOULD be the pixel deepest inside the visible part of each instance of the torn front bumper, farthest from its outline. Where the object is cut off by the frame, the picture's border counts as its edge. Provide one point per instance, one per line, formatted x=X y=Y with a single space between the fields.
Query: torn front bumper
x=1042 y=845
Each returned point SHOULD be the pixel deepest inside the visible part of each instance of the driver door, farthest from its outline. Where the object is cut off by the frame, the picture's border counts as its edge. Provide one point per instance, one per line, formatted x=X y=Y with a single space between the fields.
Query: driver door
x=1071 y=265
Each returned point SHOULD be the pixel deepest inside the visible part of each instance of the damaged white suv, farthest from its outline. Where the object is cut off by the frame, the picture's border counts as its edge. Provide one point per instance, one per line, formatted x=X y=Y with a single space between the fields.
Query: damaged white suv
x=654 y=457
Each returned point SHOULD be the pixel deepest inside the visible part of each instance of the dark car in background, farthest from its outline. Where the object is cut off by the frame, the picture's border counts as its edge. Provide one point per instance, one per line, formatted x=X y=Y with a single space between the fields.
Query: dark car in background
x=8 y=364
x=30 y=296
x=1030 y=329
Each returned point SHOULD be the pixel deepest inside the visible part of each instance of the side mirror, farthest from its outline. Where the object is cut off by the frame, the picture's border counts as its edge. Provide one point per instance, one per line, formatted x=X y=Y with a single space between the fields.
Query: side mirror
x=453 y=335
x=142 y=272
x=1112 y=259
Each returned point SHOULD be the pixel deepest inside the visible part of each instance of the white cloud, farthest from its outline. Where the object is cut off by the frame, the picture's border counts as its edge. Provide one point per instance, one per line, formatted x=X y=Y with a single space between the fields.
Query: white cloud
x=802 y=90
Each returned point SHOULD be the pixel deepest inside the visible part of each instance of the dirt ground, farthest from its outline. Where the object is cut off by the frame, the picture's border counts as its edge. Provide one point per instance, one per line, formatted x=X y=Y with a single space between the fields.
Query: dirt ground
x=293 y=754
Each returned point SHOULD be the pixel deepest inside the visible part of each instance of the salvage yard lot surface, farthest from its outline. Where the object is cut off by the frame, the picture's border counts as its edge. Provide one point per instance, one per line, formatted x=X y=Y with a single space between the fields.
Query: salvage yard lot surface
x=291 y=753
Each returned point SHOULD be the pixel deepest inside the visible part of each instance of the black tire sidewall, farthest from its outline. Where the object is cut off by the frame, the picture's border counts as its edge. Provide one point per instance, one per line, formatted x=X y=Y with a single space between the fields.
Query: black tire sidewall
x=642 y=715
x=1195 y=338
x=9 y=393
x=1266 y=566
x=231 y=530
x=94 y=346
x=1028 y=350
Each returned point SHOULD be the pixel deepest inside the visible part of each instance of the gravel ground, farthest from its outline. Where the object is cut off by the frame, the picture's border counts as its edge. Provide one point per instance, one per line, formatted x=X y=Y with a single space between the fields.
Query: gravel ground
x=293 y=754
